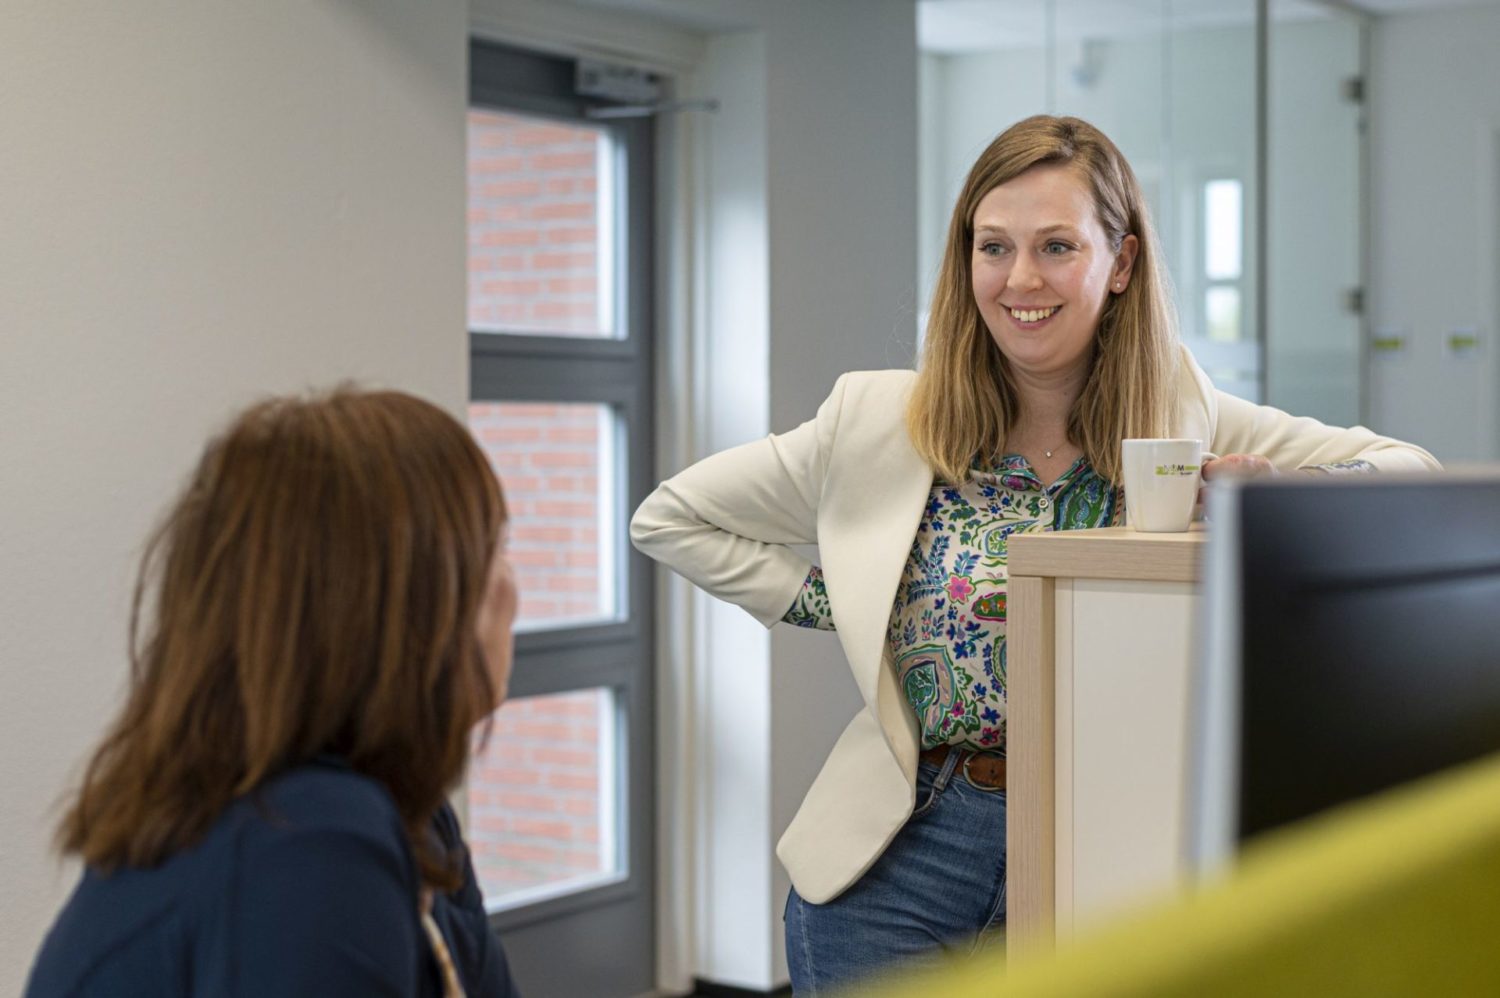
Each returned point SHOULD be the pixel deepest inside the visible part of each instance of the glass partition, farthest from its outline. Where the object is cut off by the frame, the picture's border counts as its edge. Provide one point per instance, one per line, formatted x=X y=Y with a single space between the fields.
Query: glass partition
x=1314 y=230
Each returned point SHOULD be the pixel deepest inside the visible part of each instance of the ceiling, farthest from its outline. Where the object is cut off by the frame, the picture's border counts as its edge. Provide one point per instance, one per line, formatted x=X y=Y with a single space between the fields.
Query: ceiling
x=955 y=26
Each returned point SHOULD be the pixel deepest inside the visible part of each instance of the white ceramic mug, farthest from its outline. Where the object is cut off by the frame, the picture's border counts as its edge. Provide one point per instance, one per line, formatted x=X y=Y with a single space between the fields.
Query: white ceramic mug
x=1162 y=477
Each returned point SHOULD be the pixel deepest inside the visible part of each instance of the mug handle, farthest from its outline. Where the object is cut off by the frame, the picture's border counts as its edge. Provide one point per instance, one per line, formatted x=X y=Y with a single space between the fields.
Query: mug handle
x=1199 y=514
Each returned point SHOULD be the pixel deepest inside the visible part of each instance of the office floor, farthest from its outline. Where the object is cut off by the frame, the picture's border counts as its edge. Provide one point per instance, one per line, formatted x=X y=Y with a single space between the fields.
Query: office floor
x=706 y=990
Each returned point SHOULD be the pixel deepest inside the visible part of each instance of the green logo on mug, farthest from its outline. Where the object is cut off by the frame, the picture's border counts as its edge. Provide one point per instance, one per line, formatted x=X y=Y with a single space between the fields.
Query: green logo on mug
x=1175 y=470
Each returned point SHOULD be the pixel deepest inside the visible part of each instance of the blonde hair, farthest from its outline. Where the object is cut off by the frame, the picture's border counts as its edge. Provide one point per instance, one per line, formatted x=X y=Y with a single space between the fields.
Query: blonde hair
x=965 y=399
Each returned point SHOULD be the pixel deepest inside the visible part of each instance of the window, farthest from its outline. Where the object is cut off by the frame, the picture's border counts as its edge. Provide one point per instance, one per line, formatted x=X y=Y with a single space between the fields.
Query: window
x=542 y=812
x=560 y=799
x=560 y=467
x=1223 y=267
x=541 y=226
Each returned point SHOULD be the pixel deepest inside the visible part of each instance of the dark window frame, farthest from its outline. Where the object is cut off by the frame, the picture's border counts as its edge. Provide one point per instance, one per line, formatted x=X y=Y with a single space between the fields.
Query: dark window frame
x=528 y=367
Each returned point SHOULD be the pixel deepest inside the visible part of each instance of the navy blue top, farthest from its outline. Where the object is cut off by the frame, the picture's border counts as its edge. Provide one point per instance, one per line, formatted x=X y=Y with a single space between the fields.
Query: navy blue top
x=306 y=887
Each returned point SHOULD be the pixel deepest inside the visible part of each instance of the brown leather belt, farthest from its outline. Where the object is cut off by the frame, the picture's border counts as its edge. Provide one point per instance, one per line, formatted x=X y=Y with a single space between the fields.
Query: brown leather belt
x=985 y=770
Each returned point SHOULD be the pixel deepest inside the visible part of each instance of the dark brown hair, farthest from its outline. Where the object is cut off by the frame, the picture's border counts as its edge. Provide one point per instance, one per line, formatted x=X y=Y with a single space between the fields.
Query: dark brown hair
x=965 y=401
x=315 y=591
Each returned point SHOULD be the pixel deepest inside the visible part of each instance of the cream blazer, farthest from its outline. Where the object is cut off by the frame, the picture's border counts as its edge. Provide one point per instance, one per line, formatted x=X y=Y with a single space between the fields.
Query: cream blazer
x=850 y=482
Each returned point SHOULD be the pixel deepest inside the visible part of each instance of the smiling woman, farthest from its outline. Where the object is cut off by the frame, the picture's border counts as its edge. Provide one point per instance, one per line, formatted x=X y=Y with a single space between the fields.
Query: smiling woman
x=1042 y=266
x=1051 y=340
x=1050 y=217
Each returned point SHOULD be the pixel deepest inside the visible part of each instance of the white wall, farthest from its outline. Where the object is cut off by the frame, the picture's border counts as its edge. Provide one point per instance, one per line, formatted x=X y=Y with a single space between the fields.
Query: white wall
x=842 y=99
x=810 y=252
x=733 y=723
x=1435 y=198
x=200 y=203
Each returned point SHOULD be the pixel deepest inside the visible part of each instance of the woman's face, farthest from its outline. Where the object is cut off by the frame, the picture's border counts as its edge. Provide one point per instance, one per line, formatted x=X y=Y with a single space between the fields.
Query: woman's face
x=497 y=618
x=1042 y=269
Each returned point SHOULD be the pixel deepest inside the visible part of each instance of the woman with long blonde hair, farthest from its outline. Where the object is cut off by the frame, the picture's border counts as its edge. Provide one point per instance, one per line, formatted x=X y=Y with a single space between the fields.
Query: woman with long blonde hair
x=330 y=618
x=1051 y=340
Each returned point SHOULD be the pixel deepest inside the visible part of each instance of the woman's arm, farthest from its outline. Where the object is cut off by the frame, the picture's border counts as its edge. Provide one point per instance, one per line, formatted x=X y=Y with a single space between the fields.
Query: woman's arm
x=1298 y=442
x=1246 y=433
x=726 y=523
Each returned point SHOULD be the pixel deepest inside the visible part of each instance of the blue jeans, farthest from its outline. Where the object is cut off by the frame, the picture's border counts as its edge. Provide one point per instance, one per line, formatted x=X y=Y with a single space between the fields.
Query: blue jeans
x=938 y=890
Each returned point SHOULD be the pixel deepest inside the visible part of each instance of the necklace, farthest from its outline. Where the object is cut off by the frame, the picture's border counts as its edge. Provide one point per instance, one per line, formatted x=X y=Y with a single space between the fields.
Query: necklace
x=1046 y=451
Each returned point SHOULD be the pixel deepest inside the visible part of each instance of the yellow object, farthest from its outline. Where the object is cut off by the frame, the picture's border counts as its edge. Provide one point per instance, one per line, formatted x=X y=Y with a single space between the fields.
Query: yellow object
x=1397 y=895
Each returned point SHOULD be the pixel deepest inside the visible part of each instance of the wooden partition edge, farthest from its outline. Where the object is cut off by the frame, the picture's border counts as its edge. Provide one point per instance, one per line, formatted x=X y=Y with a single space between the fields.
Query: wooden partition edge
x=1031 y=804
x=1108 y=553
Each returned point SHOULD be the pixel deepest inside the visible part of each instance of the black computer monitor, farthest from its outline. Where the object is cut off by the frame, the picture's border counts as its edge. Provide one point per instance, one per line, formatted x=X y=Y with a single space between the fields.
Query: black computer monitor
x=1349 y=641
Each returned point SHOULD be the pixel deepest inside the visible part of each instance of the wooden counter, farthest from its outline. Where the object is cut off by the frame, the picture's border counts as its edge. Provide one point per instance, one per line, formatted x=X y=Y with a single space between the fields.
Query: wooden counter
x=1100 y=640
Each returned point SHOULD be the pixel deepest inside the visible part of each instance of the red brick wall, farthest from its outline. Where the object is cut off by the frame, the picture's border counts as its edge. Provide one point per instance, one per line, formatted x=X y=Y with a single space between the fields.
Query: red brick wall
x=548 y=459
x=533 y=226
x=534 y=795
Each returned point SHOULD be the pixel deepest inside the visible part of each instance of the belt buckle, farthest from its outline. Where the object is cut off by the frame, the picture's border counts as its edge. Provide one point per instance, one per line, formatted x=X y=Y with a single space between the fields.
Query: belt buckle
x=978 y=786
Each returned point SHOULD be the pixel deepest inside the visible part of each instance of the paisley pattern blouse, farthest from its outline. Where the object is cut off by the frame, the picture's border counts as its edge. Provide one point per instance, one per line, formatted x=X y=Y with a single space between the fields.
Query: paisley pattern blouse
x=947 y=629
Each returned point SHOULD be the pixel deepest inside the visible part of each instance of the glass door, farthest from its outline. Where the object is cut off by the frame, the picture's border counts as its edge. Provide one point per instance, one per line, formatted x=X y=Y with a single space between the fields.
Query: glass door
x=559 y=800
x=1315 y=203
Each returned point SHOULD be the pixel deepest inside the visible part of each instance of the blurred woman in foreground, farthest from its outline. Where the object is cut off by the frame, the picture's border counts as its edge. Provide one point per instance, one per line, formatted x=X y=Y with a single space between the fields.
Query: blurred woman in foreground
x=331 y=617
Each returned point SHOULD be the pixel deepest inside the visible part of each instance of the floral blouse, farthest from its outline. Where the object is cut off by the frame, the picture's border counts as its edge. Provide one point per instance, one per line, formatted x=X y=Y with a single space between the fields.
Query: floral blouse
x=947 y=629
